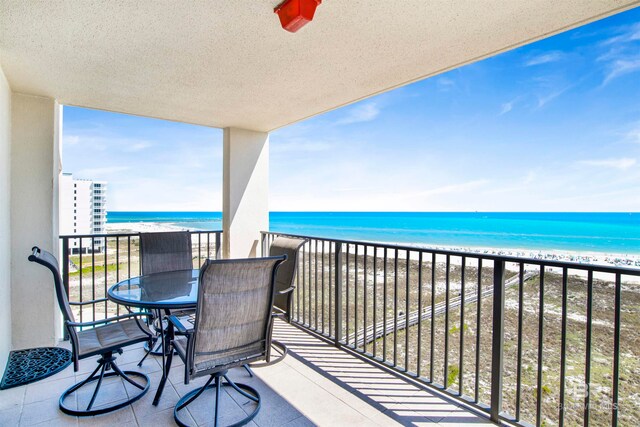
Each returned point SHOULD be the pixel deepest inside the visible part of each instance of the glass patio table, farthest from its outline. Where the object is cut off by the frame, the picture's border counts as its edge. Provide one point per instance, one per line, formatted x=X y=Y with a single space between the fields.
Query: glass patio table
x=162 y=292
x=171 y=290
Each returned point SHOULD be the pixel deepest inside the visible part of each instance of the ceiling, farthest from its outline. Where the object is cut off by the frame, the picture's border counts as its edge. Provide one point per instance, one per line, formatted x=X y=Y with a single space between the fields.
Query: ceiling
x=227 y=63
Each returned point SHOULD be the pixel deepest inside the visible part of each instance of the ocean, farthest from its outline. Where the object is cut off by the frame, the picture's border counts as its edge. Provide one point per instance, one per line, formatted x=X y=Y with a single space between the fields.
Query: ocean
x=617 y=233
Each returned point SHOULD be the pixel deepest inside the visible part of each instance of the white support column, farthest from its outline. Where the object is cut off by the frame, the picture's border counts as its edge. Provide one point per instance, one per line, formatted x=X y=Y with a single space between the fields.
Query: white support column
x=245 y=205
x=5 y=220
x=34 y=171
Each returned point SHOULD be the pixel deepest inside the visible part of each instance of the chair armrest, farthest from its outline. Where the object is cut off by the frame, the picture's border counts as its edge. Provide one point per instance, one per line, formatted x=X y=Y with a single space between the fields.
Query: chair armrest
x=286 y=291
x=178 y=325
x=110 y=319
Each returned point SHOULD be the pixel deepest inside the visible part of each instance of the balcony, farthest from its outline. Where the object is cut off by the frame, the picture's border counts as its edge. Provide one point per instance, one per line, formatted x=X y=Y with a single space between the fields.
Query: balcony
x=378 y=329
x=316 y=384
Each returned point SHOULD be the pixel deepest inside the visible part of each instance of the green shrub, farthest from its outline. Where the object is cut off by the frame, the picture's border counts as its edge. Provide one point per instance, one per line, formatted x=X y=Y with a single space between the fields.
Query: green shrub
x=454 y=371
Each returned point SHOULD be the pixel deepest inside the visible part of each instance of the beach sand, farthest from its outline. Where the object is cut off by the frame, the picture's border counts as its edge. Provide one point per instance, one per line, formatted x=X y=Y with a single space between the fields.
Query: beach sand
x=143 y=227
x=595 y=258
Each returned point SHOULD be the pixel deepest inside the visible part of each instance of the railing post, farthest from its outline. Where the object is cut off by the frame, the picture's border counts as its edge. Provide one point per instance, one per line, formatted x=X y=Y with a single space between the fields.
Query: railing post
x=218 y=247
x=263 y=245
x=65 y=275
x=338 y=294
x=497 y=346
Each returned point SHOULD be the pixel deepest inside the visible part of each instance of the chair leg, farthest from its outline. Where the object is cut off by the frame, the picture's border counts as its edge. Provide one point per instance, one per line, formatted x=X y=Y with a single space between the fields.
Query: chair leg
x=248 y=369
x=195 y=395
x=217 y=402
x=249 y=392
x=126 y=377
x=86 y=380
x=239 y=390
x=148 y=352
x=105 y=364
x=95 y=392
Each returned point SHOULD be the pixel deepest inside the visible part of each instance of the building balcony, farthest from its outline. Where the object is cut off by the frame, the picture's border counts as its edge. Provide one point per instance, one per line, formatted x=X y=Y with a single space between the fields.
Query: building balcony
x=378 y=331
x=519 y=341
x=316 y=384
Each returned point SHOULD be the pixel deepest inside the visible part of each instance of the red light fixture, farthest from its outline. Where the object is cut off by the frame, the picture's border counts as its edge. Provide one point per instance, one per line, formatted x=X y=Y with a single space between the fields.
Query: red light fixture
x=295 y=14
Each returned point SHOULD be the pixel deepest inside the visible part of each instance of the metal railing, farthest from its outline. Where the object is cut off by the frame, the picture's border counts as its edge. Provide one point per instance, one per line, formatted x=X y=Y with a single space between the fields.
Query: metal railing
x=527 y=341
x=92 y=263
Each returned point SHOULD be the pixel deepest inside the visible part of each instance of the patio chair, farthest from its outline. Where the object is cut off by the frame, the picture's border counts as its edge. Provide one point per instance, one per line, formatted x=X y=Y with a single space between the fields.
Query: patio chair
x=232 y=327
x=282 y=302
x=168 y=251
x=101 y=337
x=162 y=252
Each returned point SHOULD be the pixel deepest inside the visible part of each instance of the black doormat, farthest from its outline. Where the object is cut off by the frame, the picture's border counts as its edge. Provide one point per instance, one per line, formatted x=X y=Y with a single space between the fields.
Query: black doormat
x=34 y=364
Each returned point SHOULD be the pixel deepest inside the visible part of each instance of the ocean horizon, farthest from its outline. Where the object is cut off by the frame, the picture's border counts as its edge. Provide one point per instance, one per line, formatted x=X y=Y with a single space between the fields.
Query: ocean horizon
x=617 y=233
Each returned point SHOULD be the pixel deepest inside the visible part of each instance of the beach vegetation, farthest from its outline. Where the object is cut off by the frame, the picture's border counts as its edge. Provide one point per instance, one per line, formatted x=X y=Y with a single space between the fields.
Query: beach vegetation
x=452 y=376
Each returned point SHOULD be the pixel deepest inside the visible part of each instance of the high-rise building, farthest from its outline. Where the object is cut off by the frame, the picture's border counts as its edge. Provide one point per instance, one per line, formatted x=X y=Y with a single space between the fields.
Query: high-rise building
x=83 y=211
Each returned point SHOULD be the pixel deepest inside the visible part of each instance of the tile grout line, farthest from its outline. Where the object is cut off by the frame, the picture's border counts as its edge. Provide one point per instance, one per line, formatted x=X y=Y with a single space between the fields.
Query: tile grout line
x=24 y=396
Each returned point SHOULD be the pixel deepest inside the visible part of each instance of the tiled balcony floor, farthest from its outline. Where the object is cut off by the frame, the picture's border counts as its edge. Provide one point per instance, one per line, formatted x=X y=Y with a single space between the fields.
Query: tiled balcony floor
x=316 y=384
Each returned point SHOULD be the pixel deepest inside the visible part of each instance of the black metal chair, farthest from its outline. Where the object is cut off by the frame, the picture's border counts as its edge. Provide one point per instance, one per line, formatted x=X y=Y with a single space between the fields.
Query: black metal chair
x=159 y=253
x=282 y=302
x=103 y=337
x=232 y=327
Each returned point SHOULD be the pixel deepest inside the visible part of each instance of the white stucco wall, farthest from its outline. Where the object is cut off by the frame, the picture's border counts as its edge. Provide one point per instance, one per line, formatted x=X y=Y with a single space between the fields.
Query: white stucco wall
x=5 y=221
x=35 y=164
x=245 y=193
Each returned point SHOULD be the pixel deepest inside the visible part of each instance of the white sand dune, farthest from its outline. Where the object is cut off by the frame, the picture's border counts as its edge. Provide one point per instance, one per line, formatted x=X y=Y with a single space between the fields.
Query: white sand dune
x=596 y=258
x=143 y=227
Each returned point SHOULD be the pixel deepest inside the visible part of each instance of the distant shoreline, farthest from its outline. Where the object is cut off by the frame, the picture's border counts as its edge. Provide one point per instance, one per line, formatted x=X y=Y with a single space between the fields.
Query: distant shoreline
x=607 y=233
x=583 y=257
x=143 y=227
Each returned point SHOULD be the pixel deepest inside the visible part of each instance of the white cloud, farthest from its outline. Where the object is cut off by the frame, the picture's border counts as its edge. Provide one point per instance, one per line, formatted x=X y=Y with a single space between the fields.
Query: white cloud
x=634 y=135
x=156 y=194
x=137 y=146
x=445 y=84
x=543 y=100
x=529 y=178
x=102 y=141
x=551 y=86
x=620 y=67
x=383 y=197
x=507 y=106
x=544 y=58
x=621 y=164
x=453 y=188
x=70 y=139
x=91 y=173
x=300 y=145
x=360 y=113
x=629 y=34
x=622 y=56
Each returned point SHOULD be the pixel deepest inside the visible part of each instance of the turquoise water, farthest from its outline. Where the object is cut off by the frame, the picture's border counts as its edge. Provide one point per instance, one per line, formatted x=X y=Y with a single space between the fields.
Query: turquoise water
x=593 y=232
x=191 y=220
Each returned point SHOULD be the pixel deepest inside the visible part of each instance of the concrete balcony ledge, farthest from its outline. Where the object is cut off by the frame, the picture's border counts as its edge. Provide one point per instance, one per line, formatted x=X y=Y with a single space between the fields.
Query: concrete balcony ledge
x=316 y=384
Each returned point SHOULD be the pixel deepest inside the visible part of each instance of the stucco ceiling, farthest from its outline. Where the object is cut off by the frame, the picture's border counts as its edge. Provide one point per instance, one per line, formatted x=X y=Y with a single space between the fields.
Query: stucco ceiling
x=228 y=63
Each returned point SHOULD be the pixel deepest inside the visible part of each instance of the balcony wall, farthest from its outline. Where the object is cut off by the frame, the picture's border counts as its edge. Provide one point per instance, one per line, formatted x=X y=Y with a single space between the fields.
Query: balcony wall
x=5 y=220
x=35 y=166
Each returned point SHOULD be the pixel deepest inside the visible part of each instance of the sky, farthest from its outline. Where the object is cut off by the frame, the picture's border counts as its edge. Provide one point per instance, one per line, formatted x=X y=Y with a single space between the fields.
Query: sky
x=552 y=126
